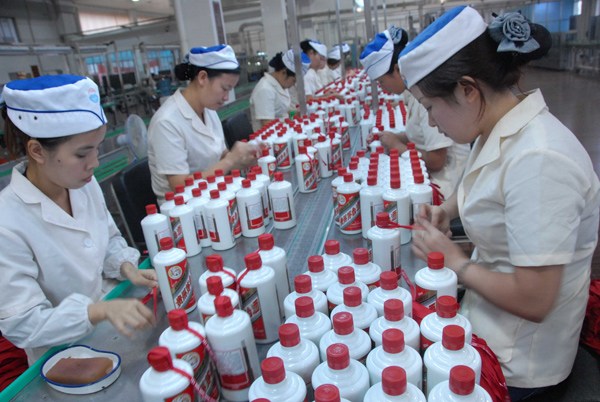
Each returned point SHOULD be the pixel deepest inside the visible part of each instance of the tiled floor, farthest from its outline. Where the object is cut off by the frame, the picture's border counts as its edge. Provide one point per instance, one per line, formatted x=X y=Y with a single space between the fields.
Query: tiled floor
x=574 y=100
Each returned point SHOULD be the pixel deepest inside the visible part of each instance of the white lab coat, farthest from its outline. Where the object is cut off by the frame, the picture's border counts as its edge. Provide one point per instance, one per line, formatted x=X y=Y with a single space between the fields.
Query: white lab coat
x=51 y=263
x=312 y=82
x=530 y=197
x=180 y=143
x=269 y=101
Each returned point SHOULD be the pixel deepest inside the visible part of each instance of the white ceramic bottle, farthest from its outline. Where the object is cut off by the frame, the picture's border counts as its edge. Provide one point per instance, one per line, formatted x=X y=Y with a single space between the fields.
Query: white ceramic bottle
x=383 y=242
x=335 y=183
x=197 y=202
x=206 y=303
x=277 y=384
x=258 y=296
x=393 y=317
x=312 y=324
x=184 y=228
x=276 y=258
x=333 y=258
x=325 y=157
x=160 y=382
x=446 y=313
x=452 y=351
x=230 y=336
x=215 y=267
x=420 y=194
x=328 y=393
x=305 y=172
x=365 y=271
x=303 y=287
x=155 y=226
x=174 y=277
x=435 y=280
x=394 y=352
x=267 y=163
x=261 y=182
x=169 y=203
x=389 y=289
x=232 y=210
x=394 y=388
x=350 y=376
x=371 y=203
x=363 y=314
x=249 y=204
x=460 y=388
x=349 y=205
x=187 y=341
x=217 y=221
x=346 y=278
x=322 y=279
x=345 y=332
x=281 y=198
x=300 y=356
x=282 y=151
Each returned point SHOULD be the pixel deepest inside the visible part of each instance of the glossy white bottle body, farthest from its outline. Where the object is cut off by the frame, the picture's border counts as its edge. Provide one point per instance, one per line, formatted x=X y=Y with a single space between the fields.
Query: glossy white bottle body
x=397 y=203
x=432 y=327
x=197 y=204
x=352 y=382
x=250 y=207
x=325 y=158
x=349 y=210
x=301 y=359
x=371 y=203
x=282 y=203
x=434 y=283
x=407 y=325
x=322 y=280
x=442 y=393
x=157 y=386
x=439 y=360
x=155 y=227
x=378 y=296
x=312 y=328
x=276 y=258
x=412 y=394
x=363 y=315
x=217 y=222
x=335 y=293
x=384 y=245
x=368 y=274
x=182 y=222
x=291 y=389
x=174 y=275
x=305 y=174
x=358 y=342
x=334 y=262
x=409 y=359
x=228 y=278
x=318 y=297
x=206 y=303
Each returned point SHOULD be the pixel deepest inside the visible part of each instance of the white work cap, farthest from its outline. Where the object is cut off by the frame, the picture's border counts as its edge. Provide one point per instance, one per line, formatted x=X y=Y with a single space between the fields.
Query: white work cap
x=345 y=48
x=220 y=57
x=53 y=106
x=377 y=56
x=319 y=47
x=288 y=60
x=335 y=53
x=438 y=42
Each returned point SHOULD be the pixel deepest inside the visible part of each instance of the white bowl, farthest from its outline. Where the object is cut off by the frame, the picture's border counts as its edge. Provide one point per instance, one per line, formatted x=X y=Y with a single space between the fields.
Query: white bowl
x=82 y=351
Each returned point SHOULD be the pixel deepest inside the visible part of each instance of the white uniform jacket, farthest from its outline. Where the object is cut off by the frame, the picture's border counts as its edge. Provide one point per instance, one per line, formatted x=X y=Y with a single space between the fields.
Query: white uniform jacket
x=180 y=143
x=269 y=101
x=51 y=263
x=312 y=82
x=428 y=138
x=529 y=197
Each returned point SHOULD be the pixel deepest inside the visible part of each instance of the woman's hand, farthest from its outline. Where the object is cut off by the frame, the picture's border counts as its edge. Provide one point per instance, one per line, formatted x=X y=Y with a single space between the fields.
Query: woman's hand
x=392 y=141
x=139 y=277
x=242 y=155
x=429 y=239
x=437 y=216
x=126 y=315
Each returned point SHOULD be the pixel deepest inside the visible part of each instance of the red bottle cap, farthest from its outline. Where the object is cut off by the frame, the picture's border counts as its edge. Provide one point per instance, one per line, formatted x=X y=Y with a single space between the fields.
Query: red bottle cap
x=352 y=296
x=197 y=175
x=393 y=340
x=169 y=195
x=214 y=284
x=435 y=260
x=315 y=263
x=346 y=275
x=462 y=380
x=166 y=243
x=229 y=179
x=393 y=380
x=360 y=255
x=196 y=192
x=348 y=178
x=289 y=335
x=302 y=284
x=410 y=145
x=203 y=185
x=236 y=173
x=253 y=261
x=388 y=280
x=278 y=176
x=214 y=262
x=272 y=370
x=160 y=358
x=188 y=181
x=393 y=310
x=179 y=189
x=223 y=306
x=179 y=200
x=151 y=209
x=178 y=319
x=246 y=183
x=395 y=183
x=343 y=323
x=338 y=356
x=214 y=194
x=305 y=307
x=380 y=149
x=371 y=179
x=332 y=247
x=446 y=306
x=453 y=337
x=418 y=178
x=266 y=241
x=327 y=393
x=251 y=176
x=219 y=172
x=382 y=219
x=222 y=186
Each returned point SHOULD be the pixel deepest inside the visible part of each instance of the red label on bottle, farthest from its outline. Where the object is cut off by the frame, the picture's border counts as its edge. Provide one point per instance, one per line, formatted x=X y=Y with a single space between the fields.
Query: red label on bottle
x=201 y=232
x=254 y=215
x=177 y=231
x=345 y=137
x=272 y=166
x=187 y=395
x=373 y=285
x=308 y=175
x=425 y=296
x=282 y=209
x=349 y=211
x=213 y=230
x=234 y=217
x=282 y=154
x=251 y=304
x=180 y=285
x=204 y=371
x=234 y=368
x=336 y=155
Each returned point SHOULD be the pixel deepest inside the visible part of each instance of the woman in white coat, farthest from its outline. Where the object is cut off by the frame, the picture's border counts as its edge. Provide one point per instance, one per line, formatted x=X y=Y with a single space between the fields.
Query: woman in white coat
x=444 y=158
x=270 y=97
x=58 y=238
x=529 y=199
x=185 y=135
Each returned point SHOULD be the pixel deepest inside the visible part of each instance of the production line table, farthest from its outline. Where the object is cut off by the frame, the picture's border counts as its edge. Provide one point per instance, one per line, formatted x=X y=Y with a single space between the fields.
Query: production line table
x=315 y=226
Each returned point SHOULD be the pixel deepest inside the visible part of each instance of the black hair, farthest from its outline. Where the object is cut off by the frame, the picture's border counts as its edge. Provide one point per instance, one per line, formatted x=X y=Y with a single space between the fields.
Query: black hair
x=399 y=45
x=188 y=71
x=333 y=62
x=16 y=140
x=306 y=46
x=480 y=61
x=278 y=65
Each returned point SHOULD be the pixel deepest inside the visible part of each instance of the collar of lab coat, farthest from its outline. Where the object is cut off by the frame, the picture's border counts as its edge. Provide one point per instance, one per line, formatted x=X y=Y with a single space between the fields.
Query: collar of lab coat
x=50 y=211
x=532 y=103
x=190 y=114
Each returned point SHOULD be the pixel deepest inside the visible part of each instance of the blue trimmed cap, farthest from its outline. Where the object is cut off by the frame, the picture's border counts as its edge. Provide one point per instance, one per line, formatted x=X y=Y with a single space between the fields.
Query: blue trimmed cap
x=290 y=64
x=319 y=47
x=345 y=48
x=438 y=42
x=335 y=53
x=220 y=57
x=53 y=106
x=377 y=56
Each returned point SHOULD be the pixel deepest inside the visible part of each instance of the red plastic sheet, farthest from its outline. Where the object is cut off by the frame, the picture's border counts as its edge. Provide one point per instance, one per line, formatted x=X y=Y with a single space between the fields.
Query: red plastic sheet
x=13 y=362
x=590 y=333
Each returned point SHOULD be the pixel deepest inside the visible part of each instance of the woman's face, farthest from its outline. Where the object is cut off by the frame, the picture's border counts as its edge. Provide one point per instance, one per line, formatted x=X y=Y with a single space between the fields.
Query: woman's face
x=216 y=89
x=71 y=164
x=456 y=118
x=392 y=82
x=317 y=61
x=289 y=81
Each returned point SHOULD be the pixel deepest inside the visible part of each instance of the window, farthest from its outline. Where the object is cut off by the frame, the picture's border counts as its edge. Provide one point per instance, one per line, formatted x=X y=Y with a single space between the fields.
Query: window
x=97 y=21
x=577 y=7
x=8 y=33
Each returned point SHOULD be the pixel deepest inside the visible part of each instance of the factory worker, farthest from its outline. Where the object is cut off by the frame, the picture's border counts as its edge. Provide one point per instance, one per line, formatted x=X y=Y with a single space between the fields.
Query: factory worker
x=270 y=97
x=58 y=238
x=445 y=159
x=334 y=64
x=185 y=135
x=317 y=53
x=528 y=199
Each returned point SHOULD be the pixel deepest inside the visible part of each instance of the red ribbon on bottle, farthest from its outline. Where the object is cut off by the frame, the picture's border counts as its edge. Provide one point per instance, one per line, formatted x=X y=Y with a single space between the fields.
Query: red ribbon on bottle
x=152 y=294
x=192 y=381
x=394 y=225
